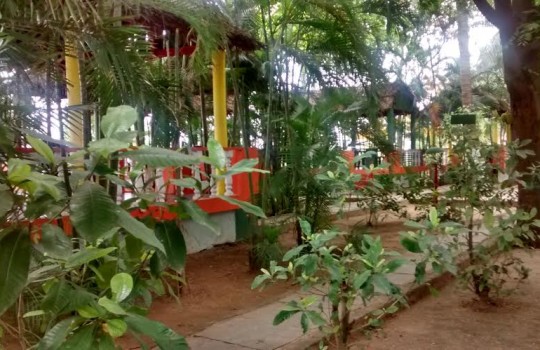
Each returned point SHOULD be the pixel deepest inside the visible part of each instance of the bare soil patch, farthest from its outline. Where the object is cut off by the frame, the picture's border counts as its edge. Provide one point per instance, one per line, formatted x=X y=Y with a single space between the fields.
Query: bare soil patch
x=218 y=287
x=453 y=320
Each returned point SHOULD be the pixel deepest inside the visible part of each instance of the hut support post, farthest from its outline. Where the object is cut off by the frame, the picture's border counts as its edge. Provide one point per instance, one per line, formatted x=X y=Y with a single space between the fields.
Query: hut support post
x=220 y=105
x=74 y=95
x=391 y=126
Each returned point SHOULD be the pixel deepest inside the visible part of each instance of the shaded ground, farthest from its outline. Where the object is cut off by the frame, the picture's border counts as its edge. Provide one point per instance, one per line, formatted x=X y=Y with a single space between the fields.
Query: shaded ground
x=219 y=281
x=218 y=287
x=451 y=321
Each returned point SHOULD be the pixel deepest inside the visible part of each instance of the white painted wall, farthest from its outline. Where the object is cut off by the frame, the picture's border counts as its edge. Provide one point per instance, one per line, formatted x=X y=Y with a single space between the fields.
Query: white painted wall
x=199 y=237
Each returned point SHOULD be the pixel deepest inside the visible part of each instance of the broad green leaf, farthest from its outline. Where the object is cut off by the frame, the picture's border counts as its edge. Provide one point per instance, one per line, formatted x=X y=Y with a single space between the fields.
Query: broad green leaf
x=216 y=154
x=86 y=255
x=104 y=342
x=89 y=311
x=93 y=212
x=38 y=183
x=306 y=227
x=18 y=170
x=107 y=146
x=245 y=206
x=284 y=315
x=304 y=322
x=360 y=279
x=79 y=297
x=115 y=327
x=157 y=264
x=159 y=157
x=121 y=286
x=200 y=216
x=293 y=252
x=139 y=230
x=118 y=119
x=259 y=280
x=316 y=318
x=53 y=339
x=186 y=183
x=383 y=284
x=414 y=224
x=55 y=242
x=420 y=272
x=112 y=306
x=15 y=251
x=105 y=272
x=175 y=247
x=82 y=339
x=395 y=264
x=57 y=297
x=411 y=244
x=134 y=247
x=392 y=309
x=245 y=166
x=42 y=148
x=6 y=202
x=165 y=338
x=434 y=217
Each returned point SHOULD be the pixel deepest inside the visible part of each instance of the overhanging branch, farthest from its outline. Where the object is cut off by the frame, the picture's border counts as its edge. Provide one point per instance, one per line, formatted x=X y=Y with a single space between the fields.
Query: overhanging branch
x=489 y=12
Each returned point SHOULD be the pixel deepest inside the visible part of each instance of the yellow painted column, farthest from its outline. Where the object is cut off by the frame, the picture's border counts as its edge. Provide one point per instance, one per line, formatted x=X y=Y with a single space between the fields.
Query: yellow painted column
x=219 y=87
x=74 y=94
x=494 y=132
x=508 y=133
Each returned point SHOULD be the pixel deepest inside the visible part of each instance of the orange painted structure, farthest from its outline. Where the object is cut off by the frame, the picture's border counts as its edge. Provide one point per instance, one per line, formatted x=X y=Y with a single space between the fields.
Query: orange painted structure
x=239 y=189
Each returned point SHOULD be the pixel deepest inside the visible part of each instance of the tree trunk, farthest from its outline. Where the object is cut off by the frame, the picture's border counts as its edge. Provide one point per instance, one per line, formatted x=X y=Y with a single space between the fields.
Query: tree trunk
x=521 y=74
x=521 y=67
x=464 y=54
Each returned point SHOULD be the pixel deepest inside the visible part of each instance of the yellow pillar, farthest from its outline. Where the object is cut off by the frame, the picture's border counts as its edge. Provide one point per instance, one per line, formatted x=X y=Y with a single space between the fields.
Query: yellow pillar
x=74 y=95
x=494 y=132
x=508 y=133
x=220 y=104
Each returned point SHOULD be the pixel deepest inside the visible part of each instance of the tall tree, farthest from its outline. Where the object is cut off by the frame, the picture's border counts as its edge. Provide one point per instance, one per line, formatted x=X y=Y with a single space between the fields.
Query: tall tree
x=464 y=54
x=517 y=21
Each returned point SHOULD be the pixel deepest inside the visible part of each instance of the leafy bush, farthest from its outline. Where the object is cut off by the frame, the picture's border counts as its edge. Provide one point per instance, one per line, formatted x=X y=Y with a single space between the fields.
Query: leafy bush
x=473 y=201
x=93 y=283
x=336 y=275
x=266 y=248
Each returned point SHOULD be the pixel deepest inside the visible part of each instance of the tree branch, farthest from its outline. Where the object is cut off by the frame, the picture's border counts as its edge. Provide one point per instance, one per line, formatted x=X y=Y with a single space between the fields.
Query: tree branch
x=490 y=13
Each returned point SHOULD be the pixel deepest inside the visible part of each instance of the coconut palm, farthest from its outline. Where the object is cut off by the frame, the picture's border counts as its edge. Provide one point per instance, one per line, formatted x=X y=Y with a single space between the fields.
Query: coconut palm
x=113 y=49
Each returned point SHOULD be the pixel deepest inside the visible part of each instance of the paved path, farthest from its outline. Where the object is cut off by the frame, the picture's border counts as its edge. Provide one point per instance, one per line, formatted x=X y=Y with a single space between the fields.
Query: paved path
x=254 y=330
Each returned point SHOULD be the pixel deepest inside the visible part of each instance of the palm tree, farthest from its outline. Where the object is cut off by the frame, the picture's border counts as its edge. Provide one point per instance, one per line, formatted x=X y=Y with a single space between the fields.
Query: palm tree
x=113 y=50
x=464 y=54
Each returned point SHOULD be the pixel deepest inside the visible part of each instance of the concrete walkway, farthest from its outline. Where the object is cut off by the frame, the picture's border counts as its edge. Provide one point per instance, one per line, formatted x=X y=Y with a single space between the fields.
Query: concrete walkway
x=254 y=330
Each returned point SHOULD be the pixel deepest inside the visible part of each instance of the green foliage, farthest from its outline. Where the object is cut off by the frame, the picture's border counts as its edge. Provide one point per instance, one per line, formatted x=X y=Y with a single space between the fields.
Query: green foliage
x=376 y=196
x=89 y=289
x=15 y=252
x=340 y=275
x=484 y=228
x=266 y=247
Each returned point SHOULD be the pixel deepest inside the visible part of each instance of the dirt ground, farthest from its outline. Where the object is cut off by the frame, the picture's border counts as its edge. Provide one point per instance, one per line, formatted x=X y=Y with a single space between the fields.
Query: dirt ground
x=453 y=320
x=219 y=283
x=218 y=287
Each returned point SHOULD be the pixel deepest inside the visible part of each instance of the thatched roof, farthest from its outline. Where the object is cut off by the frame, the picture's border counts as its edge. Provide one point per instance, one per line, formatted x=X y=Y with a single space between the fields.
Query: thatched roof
x=398 y=96
x=157 y=21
